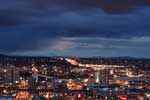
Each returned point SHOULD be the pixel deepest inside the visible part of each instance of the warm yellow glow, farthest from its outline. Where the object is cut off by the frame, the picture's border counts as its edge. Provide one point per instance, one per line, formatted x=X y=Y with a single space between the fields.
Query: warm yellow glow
x=4 y=91
x=47 y=95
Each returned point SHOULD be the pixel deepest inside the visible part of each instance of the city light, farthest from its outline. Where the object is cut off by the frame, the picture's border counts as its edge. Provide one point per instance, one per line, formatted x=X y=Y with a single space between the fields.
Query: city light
x=74 y=80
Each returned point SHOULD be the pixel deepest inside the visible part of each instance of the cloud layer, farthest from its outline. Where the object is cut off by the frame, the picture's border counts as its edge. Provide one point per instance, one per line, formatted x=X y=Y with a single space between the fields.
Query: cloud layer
x=37 y=27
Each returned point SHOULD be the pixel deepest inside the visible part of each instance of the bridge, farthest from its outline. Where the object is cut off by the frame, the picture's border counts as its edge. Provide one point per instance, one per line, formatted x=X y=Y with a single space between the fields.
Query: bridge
x=36 y=76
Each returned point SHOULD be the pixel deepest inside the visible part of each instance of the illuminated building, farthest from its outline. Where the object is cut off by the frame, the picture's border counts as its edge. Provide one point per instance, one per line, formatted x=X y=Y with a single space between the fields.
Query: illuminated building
x=71 y=85
x=22 y=96
x=9 y=74
x=102 y=76
x=44 y=69
x=97 y=76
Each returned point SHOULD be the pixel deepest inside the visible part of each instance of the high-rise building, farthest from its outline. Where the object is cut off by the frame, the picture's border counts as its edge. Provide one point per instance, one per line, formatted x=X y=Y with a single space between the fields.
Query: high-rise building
x=102 y=76
x=9 y=74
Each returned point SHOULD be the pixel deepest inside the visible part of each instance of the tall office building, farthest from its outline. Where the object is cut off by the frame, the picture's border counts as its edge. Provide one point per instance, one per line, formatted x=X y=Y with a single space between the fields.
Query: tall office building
x=9 y=74
x=102 y=76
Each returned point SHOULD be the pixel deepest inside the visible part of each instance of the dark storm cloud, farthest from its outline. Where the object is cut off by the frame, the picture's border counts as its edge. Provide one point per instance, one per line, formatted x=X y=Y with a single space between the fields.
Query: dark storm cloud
x=109 y=6
x=8 y=18
x=35 y=24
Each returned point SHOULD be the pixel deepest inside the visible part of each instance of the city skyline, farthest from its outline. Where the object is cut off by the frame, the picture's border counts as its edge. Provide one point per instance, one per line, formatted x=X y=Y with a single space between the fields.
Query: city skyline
x=82 y=28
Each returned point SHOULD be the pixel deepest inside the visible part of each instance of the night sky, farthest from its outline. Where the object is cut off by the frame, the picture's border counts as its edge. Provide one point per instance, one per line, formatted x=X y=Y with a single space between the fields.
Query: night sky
x=84 y=28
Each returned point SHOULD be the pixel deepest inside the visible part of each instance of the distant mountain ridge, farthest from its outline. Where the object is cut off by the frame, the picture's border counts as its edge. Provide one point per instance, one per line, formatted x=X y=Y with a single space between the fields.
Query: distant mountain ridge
x=96 y=57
